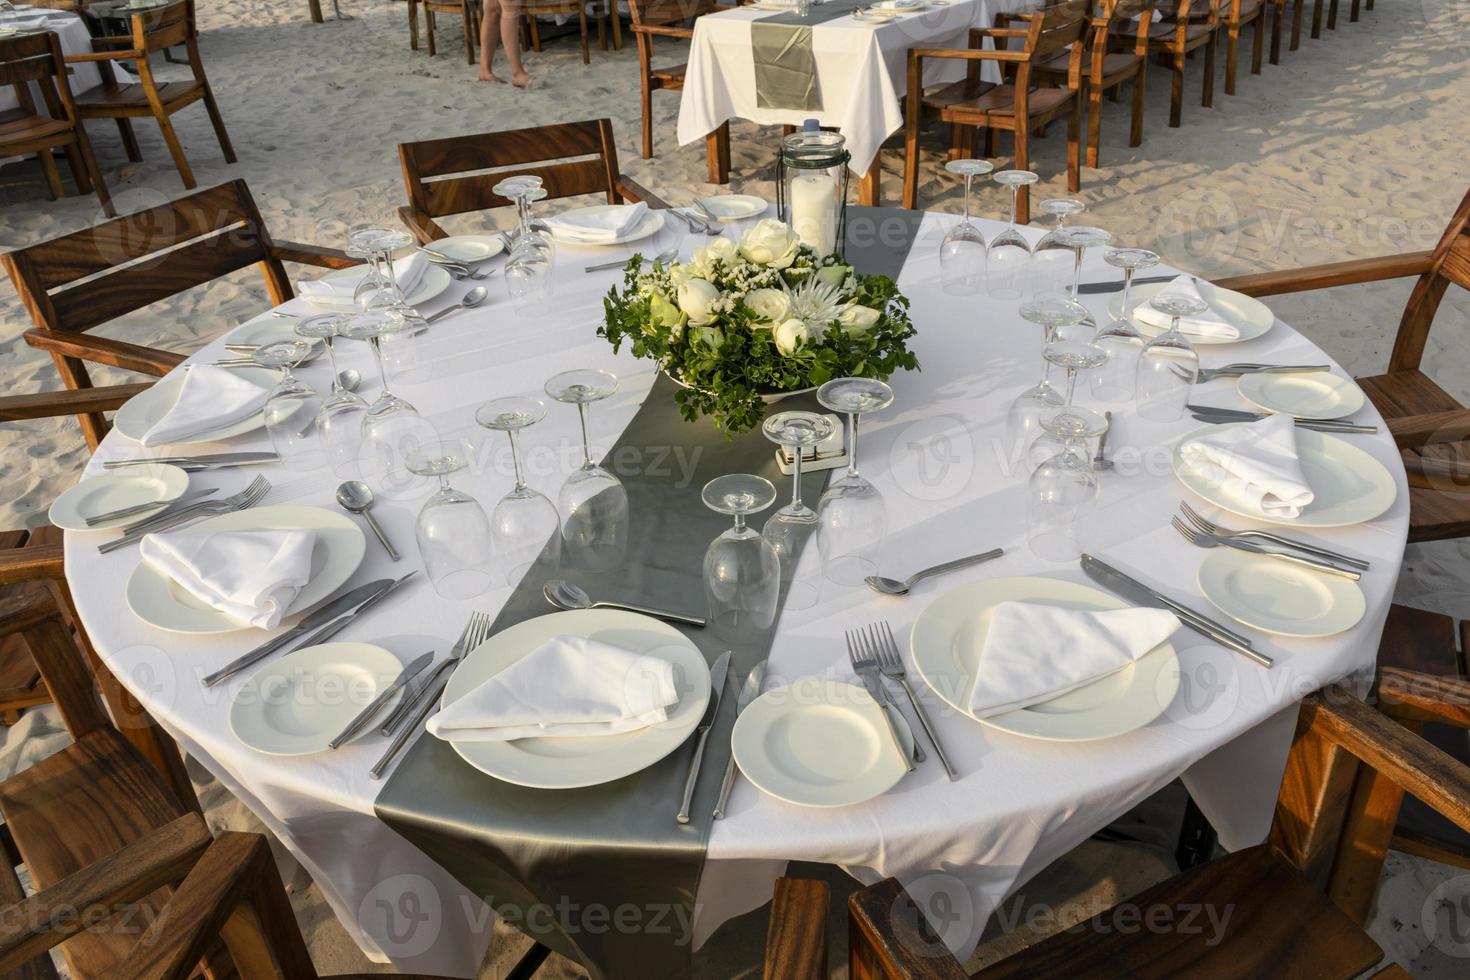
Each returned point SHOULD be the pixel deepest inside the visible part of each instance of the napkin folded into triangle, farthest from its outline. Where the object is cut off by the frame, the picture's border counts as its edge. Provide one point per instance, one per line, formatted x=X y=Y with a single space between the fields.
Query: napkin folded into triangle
x=250 y=576
x=1207 y=324
x=1257 y=462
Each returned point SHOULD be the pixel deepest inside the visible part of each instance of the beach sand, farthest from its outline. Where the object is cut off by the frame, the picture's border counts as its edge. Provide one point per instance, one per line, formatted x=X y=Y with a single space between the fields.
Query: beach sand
x=1353 y=147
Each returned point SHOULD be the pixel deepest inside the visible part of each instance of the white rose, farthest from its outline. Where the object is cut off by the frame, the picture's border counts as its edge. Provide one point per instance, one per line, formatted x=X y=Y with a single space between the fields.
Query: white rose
x=858 y=319
x=721 y=250
x=770 y=243
x=792 y=333
x=771 y=305
x=696 y=296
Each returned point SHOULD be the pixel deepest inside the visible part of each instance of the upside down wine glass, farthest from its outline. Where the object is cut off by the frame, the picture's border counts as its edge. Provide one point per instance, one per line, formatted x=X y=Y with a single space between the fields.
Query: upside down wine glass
x=452 y=529
x=1008 y=257
x=742 y=572
x=1169 y=363
x=593 y=503
x=1052 y=258
x=789 y=527
x=524 y=526
x=340 y=422
x=1070 y=348
x=528 y=267
x=292 y=408
x=853 y=516
x=1023 y=419
x=962 y=253
x=1119 y=338
x=1063 y=491
x=392 y=428
x=1081 y=239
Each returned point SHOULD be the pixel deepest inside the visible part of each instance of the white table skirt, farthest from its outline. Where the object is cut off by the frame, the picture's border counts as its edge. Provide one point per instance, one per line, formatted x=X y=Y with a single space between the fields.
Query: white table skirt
x=938 y=457
x=862 y=71
x=75 y=39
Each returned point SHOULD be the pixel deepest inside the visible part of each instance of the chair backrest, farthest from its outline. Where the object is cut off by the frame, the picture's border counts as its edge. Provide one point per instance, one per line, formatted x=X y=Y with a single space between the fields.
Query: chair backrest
x=36 y=60
x=660 y=13
x=1116 y=15
x=166 y=27
x=1049 y=32
x=458 y=174
x=1451 y=265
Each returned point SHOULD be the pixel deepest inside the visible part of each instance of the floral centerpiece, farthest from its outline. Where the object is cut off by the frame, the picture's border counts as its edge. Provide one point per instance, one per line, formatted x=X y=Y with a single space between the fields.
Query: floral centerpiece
x=742 y=322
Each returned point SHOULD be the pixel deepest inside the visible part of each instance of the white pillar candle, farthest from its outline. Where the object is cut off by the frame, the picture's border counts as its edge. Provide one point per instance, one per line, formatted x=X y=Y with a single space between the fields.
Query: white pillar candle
x=814 y=210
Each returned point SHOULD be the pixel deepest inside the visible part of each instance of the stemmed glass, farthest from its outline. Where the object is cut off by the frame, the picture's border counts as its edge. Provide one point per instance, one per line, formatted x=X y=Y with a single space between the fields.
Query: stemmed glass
x=1070 y=348
x=1023 y=419
x=593 y=502
x=391 y=428
x=1081 y=239
x=1114 y=381
x=1053 y=257
x=525 y=523
x=292 y=408
x=1063 y=490
x=1168 y=364
x=342 y=411
x=962 y=253
x=1008 y=257
x=853 y=517
x=528 y=267
x=791 y=525
x=742 y=572
x=452 y=530
x=373 y=244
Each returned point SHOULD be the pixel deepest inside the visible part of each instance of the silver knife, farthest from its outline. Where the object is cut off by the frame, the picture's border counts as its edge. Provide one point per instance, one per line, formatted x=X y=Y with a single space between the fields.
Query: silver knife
x=717 y=690
x=196 y=462
x=1116 y=582
x=1117 y=287
x=412 y=699
x=748 y=693
x=1235 y=414
x=401 y=739
x=336 y=626
x=366 y=714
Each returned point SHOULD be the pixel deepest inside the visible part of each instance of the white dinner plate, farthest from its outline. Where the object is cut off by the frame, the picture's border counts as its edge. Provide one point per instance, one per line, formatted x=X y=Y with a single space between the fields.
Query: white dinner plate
x=299 y=703
x=567 y=763
x=819 y=743
x=1305 y=394
x=949 y=637
x=1249 y=315
x=469 y=248
x=649 y=224
x=153 y=484
x=1348 y=485
x=159 y=601
x=433 y=282
x=141 y=412
x=735 y=207
x=1279 y=596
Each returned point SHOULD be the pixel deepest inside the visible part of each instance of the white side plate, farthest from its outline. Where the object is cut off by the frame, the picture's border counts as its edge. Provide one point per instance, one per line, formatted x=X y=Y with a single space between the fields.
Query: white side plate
x=735 y=207
x=299 y=703
x=1305 y=394
x=153 y=484
x=469 y=248
x=1278 y=596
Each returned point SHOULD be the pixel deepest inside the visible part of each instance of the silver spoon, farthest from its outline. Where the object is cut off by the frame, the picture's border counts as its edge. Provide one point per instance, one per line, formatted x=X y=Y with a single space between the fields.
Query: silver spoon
x=472 y=299
x=356 y=497
x=349 y=379
x=893 y=586
x=564 y=595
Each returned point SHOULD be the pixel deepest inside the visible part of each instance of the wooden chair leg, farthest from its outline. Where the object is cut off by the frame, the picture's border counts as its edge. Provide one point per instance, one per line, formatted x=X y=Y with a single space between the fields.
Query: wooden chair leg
x=1353 y=12
x=1317 y=8
x=1232 y=51
x=89 y=164
x=617 y=25
x=175 y=148
x=988 y=142
x=79 y=174
x=315 y=6
x=1207 y=96
x=1176 y=92
x=1094 y=124
x=217 y=120
x=535 y=34
x=1140 y=91
x=413 y=25
x=1023 y=162
x=1278 y=18
x=469 y=34
x=1332 y=15
x=960 y=140
x=647 y=94
x=910 y=162
x=1258 y=41
x=582 y=21
x=870 y=184
x=717 y=154
x=1297 y=9
x=53 y=176
x=1074 y=145
x=129 y=140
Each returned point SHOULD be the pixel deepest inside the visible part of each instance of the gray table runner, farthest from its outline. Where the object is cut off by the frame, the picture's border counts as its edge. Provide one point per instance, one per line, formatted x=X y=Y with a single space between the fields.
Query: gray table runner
x=785 y=67
x=604 y=874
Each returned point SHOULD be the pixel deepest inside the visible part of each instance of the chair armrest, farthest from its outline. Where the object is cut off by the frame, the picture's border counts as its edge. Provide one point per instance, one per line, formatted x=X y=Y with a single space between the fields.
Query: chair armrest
x=1409 y=695
x=50 y=404
x=44 y=920
x=424 y=228
x=120 y=55
x=796 y=938
x=327 y=258
x=888 y=936
x=630 y=190
x=1332 y=274
x=31 y=564
x=1418 y=431
x=968 y=54
x=105 y=350
x=681 y=32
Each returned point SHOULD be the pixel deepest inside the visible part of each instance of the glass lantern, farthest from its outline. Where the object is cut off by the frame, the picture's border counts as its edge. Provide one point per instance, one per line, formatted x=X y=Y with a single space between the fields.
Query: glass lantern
x=811 y=187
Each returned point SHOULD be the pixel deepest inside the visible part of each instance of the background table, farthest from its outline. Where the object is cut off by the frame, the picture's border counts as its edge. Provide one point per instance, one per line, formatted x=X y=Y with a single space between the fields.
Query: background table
x=75 y=39
x=939 y=457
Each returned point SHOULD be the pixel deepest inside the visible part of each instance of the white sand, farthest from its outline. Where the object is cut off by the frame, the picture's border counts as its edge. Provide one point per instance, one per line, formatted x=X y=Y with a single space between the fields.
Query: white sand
x=1353 y=147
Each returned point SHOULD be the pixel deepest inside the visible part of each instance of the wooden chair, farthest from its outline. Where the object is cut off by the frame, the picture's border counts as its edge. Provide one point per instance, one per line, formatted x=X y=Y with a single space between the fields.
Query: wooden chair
x=1429 y=425
x=468 y=11
x=1106 y=70
x=152 y=31
x=1194 y=25
x=1021 y=105
x=674 y=19
x=1288 y=897
x=82 y=280
x=445 y=176
x=1234 y=16
x=37 y=60
x=605 y=10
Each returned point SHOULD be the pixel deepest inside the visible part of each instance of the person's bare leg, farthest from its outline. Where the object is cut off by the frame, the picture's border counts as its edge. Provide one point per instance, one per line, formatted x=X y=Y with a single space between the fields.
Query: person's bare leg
x=510 y=36
x=489 y=34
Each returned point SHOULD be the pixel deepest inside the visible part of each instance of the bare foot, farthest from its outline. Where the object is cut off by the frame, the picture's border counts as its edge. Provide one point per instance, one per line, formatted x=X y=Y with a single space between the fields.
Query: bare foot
x=486 y=75
x=521 y=80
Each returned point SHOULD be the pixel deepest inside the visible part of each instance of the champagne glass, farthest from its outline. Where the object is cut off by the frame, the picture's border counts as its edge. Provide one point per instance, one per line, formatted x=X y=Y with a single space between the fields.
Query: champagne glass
x=524 y=525
x=452 y=529
x=1114 y=381
x=1168 y=364
x=1063 y=491
x=790 y=526
x=742 y=572
x=593 y=502
x=292 y=408
x=1008 y=257
x=1053 y=257
x=962 y=253
x=1081 y=239
x=853 y=516
x=1023 y=419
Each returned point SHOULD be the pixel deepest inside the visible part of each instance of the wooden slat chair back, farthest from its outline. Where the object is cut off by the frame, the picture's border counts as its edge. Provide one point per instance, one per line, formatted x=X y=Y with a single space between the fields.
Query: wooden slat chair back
x=1108 y=65
x=1191 y=25
x=673 y=19
x=36 y=61
x=458 y=174
x=1430 y=426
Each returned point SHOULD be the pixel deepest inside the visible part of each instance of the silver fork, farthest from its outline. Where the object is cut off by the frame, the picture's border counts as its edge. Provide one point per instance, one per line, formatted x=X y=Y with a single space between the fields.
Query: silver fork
x=257 y=489
x=885 y=649
x=121 y=512
x=1244 y=367
x=473 y=635
x=714 y=223
x=425 y=699
x=1210 y=527
x=1201 y=539
x=865 y=665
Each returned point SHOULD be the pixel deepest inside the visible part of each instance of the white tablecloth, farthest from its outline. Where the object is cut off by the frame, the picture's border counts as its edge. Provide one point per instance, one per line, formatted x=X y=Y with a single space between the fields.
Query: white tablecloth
x=75 y=39
x=862 y=70
x=937 y=455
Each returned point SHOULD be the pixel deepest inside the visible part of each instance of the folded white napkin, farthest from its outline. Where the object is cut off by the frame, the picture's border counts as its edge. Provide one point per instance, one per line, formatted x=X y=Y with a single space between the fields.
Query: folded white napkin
x=337 y=291
x=26 y=23
x=1207 y=324
x=1257 y=462
x=1035 y=652
x=568 y=686
x=598 y=227
x=209 y=399
x=250 y=576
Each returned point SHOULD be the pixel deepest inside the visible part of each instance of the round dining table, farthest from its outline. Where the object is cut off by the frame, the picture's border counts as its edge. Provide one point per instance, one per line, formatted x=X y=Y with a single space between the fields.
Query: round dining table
x=940 y=458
